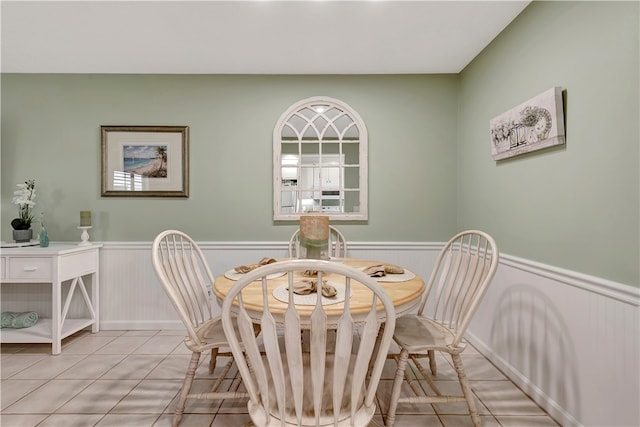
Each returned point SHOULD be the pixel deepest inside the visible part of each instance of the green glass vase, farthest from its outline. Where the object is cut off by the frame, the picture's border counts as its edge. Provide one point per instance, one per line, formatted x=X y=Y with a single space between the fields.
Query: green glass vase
x=44 y=237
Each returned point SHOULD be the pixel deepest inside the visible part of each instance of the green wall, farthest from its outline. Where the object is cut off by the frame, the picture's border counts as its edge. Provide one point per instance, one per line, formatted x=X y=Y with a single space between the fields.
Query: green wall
x=430 y=167
x=51 y=133
x=574 y=206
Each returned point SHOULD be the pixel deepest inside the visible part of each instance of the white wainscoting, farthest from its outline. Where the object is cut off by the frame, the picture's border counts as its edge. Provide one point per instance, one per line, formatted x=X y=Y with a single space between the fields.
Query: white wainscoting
x=571 y=341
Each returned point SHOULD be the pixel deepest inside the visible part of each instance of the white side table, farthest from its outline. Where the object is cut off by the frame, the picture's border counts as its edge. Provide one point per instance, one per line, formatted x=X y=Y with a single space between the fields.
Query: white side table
x=56 y=265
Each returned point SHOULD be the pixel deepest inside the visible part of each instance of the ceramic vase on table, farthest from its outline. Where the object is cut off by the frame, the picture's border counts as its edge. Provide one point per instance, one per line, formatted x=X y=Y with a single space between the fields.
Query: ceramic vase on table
x=22 y=236
x=314 y=236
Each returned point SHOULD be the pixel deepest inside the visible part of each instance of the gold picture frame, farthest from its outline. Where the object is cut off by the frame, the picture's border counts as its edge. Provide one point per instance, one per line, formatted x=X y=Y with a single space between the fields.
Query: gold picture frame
x=145 y=161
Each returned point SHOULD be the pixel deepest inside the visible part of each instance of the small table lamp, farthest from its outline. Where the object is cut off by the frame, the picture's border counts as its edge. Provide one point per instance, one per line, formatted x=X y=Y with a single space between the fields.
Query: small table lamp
x=85 y=224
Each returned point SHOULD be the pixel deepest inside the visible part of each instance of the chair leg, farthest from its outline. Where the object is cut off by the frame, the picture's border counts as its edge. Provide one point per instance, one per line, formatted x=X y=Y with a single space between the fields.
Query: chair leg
x=432 y=362
x=213 y=361
x=376 y=348
x=397 y=385
x=186 y=387
x=409 y=380
x=466 y=389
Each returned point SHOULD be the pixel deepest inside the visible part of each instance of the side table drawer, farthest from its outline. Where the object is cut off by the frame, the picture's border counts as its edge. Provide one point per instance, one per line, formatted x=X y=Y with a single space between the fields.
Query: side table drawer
x=29 y=268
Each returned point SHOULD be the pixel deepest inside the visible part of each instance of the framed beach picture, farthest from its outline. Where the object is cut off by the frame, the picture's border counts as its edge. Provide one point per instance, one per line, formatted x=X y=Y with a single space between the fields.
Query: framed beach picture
x=145 y=161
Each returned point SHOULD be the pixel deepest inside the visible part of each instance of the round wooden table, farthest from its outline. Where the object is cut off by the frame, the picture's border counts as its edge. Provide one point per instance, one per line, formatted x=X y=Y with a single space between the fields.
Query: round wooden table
x=405 y=295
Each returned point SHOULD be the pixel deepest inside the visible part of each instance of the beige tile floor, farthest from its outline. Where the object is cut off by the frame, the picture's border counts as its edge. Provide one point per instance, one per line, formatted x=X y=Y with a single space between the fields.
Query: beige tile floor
x=132 y=378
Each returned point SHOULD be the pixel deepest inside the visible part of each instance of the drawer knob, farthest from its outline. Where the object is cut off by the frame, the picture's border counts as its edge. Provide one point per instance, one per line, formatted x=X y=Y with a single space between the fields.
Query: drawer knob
x=30 y=268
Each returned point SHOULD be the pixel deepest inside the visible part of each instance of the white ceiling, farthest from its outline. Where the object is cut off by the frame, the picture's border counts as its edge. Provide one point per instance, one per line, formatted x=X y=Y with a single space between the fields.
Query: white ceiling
x=248 y=37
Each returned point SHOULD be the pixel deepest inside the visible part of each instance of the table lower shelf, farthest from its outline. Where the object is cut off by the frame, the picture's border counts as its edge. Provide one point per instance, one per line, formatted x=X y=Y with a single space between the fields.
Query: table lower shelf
x=41 y=331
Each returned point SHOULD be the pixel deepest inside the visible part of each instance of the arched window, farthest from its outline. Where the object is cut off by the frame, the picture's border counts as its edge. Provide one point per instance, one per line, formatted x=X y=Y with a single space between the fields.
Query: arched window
x=320 y=161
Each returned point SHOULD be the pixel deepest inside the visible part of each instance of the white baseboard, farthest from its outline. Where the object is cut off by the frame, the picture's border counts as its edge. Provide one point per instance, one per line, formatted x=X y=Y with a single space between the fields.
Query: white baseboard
x=539 y=396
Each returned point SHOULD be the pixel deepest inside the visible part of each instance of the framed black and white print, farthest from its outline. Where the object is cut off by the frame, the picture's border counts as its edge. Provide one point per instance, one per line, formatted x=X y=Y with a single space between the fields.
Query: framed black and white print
x=533 y=125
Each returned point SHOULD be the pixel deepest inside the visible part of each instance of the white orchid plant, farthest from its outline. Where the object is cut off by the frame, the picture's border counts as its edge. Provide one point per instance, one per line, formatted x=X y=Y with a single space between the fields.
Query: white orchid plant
x=24 y=197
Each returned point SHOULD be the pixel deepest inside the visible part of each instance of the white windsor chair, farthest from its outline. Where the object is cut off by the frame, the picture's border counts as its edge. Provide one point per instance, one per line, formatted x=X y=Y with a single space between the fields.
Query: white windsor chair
x=463 y=270
x=185 y=275
x=330 y=385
